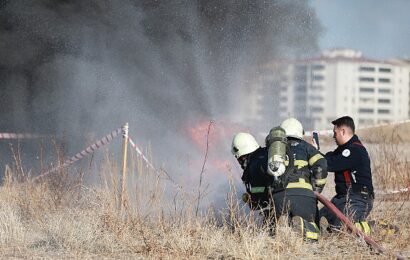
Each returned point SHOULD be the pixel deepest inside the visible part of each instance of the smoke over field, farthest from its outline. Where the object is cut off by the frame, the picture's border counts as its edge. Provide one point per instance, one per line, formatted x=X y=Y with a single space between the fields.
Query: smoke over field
x=78 y=67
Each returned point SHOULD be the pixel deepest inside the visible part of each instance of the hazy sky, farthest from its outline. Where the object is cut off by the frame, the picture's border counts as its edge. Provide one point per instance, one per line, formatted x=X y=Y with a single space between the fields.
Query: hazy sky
x=378 y=28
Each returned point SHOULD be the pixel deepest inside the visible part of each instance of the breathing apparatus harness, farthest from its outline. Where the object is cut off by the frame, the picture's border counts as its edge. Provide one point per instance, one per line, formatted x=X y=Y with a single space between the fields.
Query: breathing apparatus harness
x=260 y=196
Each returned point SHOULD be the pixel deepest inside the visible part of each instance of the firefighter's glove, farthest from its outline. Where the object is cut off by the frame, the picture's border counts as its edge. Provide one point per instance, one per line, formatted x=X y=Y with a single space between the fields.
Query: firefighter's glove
x=246 y=197
x=319 y=189
x=320 y=184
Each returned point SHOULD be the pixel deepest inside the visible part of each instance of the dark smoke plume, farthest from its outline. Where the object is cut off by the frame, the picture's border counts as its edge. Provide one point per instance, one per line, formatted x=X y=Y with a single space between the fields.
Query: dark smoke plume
x=78 y=66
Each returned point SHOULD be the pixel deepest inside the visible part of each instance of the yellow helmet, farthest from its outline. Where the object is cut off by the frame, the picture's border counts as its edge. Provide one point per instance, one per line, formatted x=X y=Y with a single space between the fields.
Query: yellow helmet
x=293 y=128
x=243 y=143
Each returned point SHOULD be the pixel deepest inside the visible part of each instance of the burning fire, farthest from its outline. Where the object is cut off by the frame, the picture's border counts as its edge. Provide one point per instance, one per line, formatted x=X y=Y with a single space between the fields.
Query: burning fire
x=219 y=144
x=220 y=133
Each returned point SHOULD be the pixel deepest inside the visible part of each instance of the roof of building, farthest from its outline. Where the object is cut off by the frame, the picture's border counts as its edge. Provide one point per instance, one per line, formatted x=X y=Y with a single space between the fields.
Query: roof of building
x=337 y=55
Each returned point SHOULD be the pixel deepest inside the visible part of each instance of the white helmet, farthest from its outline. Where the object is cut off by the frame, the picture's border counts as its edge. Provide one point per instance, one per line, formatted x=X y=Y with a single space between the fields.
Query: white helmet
x=293 y=128
x=243 y=143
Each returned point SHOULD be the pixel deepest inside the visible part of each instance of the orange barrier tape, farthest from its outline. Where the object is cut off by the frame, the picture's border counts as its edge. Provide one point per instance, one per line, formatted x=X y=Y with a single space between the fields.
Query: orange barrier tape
x=20 y=136
x=132 y=143
x=402 y=190
x=89 y=150
x=149 y=164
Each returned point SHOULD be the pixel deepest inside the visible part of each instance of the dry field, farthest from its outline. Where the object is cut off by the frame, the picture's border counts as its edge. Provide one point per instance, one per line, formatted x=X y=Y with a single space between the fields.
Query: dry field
x=61 y=217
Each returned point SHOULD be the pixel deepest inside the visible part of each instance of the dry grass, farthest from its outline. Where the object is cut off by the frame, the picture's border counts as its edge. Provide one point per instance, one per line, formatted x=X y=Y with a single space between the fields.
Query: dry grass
x=61 y=217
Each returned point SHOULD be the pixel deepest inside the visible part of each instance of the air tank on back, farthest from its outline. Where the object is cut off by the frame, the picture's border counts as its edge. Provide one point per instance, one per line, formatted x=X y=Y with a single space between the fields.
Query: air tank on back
x=277 y=142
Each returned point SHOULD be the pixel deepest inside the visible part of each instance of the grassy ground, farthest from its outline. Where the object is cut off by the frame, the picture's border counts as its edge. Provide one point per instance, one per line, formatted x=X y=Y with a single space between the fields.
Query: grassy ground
x=60 y=217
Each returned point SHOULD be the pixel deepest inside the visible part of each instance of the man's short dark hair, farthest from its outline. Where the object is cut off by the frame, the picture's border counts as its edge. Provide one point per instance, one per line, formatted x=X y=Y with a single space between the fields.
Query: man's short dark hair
x=345 y=121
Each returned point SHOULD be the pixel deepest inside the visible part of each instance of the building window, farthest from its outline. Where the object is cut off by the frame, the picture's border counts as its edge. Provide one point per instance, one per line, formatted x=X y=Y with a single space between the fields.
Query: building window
x=301 y=68
x=318 y=77
x=366 y=69
x=384 y=90
x=366 y=79
x=300 y=99
x=384 y=101
x=300 y=71
x=387 y=70
x=316 y=98
x=300 y=79
x=366 y=110
x=384 y=80
x=300 y=74
x=365 y=121
x=366 y=90
x=316 y=109
x=316 y=87
x=383 y=111
x=366 y=100
x=318 y=67
x=283 y=79
x=301 y=87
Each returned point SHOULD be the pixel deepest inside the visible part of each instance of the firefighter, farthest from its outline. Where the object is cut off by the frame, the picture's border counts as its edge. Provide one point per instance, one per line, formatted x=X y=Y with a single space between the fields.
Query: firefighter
x=353 y=177
x=306 y=172
x=262 y=193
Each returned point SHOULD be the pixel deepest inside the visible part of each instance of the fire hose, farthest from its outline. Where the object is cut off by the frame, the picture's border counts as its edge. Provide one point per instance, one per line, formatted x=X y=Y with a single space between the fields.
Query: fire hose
x=350 y=225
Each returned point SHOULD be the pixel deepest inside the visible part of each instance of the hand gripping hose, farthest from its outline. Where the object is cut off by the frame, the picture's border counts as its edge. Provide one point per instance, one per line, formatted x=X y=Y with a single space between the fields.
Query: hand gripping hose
x=350 y=225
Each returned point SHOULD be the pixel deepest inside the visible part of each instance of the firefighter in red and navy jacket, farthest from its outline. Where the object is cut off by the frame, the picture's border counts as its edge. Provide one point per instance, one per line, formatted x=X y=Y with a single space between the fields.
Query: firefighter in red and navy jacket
x=353 y=177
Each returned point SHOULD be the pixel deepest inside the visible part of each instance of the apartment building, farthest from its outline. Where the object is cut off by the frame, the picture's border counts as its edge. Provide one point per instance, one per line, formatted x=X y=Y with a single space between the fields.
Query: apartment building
x=405 y=63
x=339 y=82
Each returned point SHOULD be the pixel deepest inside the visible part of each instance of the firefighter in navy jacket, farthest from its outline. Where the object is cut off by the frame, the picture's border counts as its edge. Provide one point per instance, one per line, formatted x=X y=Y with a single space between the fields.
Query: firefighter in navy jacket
x=353 y=178
x=306 y=172
x=262 y=193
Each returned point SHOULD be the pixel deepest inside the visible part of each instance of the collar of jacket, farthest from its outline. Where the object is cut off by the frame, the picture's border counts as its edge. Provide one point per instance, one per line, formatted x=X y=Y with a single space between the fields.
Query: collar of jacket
x=355 y=138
